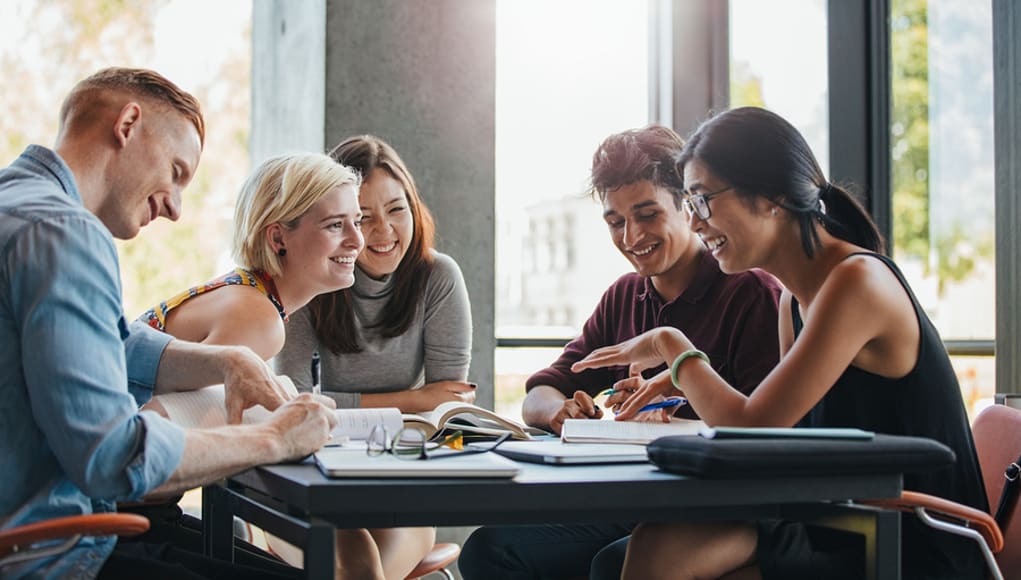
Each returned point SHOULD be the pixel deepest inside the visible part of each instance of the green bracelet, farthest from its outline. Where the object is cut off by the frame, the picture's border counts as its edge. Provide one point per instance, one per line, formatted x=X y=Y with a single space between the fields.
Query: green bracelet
x=683 y=357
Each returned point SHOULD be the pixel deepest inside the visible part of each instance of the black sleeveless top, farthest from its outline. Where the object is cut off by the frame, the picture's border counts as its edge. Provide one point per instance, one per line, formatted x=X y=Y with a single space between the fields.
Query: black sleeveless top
x=924 y=403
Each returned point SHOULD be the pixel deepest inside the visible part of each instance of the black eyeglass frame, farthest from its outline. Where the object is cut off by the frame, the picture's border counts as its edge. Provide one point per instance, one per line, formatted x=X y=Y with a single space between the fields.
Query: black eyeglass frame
x=698 y=203
x=392 y=445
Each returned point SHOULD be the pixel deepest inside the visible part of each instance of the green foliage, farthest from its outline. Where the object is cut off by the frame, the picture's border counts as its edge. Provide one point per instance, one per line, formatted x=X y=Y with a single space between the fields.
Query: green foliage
x=745 y=86
x=952 y=256
x=910 y=128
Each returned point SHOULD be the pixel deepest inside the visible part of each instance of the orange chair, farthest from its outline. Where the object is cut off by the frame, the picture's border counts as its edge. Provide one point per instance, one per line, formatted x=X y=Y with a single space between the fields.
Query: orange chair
x=16 y=544
x=997 y=433
x=437 y=560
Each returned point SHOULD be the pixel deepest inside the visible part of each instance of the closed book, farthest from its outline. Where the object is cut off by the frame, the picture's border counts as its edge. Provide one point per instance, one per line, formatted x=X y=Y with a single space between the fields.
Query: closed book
x=606 y=431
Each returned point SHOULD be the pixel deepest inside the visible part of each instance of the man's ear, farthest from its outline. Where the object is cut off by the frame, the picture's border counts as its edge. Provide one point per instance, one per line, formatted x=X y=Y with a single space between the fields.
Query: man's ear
x=128 y=123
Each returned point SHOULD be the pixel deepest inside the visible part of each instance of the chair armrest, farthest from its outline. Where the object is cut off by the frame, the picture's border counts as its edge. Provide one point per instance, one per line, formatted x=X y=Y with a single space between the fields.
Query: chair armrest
x=86 y=525
x=977 y=520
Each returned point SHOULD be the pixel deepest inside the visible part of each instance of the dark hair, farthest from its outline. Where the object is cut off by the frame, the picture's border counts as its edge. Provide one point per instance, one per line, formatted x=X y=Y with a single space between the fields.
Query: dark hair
x=646 y=154
x=759 y=153
x=137 y=82
x=332 y=314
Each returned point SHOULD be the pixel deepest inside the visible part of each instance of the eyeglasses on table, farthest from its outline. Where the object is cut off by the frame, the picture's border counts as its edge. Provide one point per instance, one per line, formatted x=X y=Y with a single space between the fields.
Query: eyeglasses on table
x=411 y=443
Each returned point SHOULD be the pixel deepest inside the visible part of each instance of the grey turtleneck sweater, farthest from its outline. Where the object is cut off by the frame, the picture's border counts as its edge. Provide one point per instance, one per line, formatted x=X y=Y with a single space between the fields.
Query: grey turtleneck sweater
x=436 y=347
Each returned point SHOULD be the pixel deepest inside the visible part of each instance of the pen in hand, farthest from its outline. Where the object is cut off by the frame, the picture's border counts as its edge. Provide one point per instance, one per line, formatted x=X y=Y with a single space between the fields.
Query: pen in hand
x=316 y=387
x=664 y=404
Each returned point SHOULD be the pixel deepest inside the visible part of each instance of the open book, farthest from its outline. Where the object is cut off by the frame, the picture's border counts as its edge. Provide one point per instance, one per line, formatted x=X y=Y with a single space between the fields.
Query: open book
x=600 y=431
x=205 y=408
x=468 y=418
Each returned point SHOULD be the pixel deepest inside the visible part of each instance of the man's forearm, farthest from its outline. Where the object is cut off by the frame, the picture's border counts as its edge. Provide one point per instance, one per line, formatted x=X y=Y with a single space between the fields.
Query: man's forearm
x=188 y=365
x=212 y=454
x=540 y=405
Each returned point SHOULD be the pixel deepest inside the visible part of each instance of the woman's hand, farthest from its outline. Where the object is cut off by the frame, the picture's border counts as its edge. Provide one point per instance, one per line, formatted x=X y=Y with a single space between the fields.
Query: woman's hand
x=637 y=392
x=645 y=351
x=431 y=395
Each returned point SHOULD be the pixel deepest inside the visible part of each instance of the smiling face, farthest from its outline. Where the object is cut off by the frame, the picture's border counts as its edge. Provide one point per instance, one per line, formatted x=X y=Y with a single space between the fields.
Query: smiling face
x=739 y=231
x=387 y=224
x=323 y=247
x=650 y=230
x=152 y=169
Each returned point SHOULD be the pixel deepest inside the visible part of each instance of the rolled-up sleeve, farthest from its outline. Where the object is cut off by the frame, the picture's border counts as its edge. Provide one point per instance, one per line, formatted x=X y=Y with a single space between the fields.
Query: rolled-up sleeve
x=143 y=348
x=65 y=294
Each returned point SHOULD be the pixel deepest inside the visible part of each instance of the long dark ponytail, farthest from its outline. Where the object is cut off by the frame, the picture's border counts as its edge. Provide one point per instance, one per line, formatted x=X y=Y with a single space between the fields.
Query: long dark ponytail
x=760 y=153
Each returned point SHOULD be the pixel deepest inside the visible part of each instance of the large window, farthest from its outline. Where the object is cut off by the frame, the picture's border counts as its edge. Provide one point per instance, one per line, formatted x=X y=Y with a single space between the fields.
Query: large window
x=568 y=73
x=778 y=60
x=47 y=46
x=941 y=139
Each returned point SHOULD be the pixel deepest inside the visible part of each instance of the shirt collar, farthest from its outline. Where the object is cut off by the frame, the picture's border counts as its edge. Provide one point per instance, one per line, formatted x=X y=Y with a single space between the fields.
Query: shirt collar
x=708 y=271
x=46 y=162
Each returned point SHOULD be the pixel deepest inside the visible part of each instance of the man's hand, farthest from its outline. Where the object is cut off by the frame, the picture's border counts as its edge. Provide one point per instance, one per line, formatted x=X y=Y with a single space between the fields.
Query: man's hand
x=302 y=425
x=296 y=429
x=249 y=381
x=580 y=406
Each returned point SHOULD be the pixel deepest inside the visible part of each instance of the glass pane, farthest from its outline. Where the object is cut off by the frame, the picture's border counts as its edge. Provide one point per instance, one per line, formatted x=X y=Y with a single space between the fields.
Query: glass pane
x=942 y=160
x=977 y=375
x=205 y=48
x=568 y=74
x=941 y=138
x=778 y=60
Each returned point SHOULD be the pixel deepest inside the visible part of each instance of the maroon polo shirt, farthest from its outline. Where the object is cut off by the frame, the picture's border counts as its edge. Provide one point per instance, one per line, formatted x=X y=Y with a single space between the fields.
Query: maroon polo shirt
x=732 y=318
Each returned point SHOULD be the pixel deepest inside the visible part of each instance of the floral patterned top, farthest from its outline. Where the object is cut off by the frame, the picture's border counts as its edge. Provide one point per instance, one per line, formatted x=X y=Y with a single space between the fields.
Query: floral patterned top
x=157 y=317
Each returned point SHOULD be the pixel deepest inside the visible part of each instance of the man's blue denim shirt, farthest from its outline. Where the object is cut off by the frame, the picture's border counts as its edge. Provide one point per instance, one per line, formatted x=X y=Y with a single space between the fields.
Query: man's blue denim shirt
x=72 y=372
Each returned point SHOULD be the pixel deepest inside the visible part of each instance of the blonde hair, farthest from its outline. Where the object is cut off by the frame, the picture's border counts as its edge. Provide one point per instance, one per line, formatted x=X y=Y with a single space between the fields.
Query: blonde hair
x=281 y=190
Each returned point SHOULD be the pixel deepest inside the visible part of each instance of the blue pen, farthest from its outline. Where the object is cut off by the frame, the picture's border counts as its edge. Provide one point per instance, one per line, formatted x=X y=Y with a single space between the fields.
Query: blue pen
x=664 y=404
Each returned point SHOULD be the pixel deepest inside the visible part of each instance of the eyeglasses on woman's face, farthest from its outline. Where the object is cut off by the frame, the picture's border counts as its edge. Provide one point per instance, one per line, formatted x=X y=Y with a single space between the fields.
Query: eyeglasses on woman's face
x=411 y=443
x=698 y=203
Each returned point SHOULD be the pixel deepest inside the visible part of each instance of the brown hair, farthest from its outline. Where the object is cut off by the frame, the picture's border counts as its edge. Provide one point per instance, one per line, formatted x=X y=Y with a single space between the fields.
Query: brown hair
x=139 y=83
x=332 y=314
x=646 y=154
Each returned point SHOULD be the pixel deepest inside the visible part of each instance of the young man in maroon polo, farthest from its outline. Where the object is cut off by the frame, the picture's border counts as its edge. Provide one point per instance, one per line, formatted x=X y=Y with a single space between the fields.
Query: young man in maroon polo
x=676 y=282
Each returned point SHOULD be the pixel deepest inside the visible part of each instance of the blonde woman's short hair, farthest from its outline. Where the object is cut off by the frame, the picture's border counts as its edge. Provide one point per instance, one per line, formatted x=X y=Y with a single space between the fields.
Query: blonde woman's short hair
x=281 y=190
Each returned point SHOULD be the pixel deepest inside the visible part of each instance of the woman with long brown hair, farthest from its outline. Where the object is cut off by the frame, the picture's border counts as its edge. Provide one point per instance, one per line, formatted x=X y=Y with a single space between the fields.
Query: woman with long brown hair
x=401 y=336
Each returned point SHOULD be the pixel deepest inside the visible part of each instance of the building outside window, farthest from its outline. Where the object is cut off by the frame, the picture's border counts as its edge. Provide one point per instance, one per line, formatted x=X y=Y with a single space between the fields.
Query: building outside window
x=568 y=74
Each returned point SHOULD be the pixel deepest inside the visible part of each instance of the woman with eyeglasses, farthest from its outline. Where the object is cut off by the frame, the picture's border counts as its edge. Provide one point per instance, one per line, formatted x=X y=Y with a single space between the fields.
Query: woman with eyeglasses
x=857 y=350
x=401 y=335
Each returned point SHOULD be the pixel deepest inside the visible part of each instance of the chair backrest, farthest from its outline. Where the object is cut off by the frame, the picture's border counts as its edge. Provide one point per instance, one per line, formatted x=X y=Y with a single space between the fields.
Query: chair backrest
x=997 y=432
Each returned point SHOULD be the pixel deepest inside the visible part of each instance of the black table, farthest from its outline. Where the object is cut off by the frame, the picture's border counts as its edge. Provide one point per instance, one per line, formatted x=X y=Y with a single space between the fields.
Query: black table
x=297 y=503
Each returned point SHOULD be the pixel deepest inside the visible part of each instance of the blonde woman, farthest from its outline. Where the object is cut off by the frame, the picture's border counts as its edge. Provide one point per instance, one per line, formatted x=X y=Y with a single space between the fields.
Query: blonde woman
x=297 y=234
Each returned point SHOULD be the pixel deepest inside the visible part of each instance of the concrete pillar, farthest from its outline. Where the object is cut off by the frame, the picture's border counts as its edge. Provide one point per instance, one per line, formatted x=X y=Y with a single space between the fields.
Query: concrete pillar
x=420 y=75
